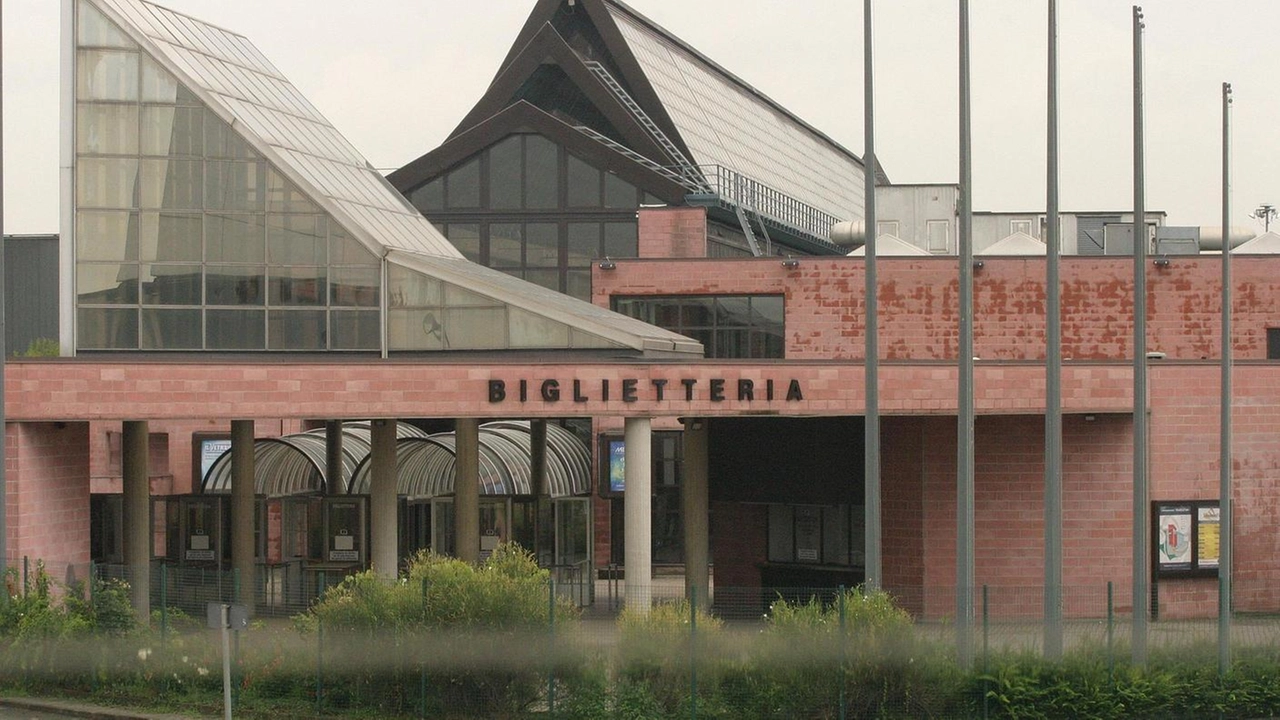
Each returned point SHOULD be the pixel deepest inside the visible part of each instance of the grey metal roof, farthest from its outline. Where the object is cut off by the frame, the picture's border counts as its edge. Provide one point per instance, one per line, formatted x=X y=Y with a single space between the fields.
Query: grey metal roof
x=235 y=80
x=726 y=122
x=295 y=464
x=426 y=466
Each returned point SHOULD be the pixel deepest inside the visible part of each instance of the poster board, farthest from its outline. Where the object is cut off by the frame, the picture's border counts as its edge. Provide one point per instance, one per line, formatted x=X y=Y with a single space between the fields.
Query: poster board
x=1185 y=538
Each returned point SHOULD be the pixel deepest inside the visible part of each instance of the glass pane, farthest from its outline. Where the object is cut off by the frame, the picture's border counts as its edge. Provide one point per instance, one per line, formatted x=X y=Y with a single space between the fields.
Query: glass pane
x=584 y=184
x=733 y=311
x=353 y=287
x=781 y=534
x=106 y=129
x=464 y=186
x=296 y=330
x=504 y=174
x=235 y=238
x=767 y=310
x=578 y=284
x=296 y=240
x=475 y=328
x=283 y=196
x=107 y=329
x=732 y=344
x=465 y=237
x=233 y=285
x=170 y=329
x=355 y=330
x=94 y=30
x=620 y=240
x=237 y=186
x=429 y=197
x=297 y=286
x=172 y=184
x=235 y=330
x=549 y=279
x=106 y=235
x=618 y=193
x=107 y=75
x=584 y=244
x=542 y=245
x=172 y=130
x=106 y=284
x=527 y=330
x=413 y=289
x=171 y=285
x=346 y=250
x=504 y=245
x=541 y=173
x=103 y=182
x=223 y=142
x=455 y=296
x=171 y=236
x=157 y=84
x=414 y=329
x=696 y=312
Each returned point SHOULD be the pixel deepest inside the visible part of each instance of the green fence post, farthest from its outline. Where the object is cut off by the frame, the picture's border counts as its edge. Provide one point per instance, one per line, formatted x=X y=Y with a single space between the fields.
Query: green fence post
x=693 y=652
x=319 y=664
x=1111 y=632
x=422 y=666
x=26 y=576
x=986 y=644
x=844 y=701
x=164 y=601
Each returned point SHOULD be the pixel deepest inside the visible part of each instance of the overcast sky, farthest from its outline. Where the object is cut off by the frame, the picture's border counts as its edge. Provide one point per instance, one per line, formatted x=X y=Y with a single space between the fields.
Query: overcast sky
x=396 y=76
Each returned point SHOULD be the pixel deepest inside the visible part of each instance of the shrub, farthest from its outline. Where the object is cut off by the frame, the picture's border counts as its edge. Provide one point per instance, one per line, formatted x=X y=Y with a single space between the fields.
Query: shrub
x=43 y=347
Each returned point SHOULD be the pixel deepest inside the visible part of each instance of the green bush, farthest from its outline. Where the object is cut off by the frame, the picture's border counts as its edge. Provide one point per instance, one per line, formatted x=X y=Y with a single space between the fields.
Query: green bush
x=43 y=347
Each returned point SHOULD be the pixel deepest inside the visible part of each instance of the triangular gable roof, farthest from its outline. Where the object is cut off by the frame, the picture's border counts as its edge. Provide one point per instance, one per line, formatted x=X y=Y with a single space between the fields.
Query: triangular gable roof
x=1018 y=243
x=236 y=81
x=233 y=79
x=888 y=245
x=731 y=124
x=1268 y=243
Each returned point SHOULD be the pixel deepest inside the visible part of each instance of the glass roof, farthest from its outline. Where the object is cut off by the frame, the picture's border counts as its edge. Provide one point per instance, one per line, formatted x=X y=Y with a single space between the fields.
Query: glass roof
x=238 y=82
x=726 y=122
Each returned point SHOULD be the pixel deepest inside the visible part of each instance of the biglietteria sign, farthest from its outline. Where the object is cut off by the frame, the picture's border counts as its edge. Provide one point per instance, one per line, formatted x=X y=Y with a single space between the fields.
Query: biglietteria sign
x=629 y=390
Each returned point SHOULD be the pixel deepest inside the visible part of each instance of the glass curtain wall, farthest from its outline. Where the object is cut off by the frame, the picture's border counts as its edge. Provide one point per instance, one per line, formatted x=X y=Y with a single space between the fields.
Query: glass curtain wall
x=186 y=238
x=530 y=208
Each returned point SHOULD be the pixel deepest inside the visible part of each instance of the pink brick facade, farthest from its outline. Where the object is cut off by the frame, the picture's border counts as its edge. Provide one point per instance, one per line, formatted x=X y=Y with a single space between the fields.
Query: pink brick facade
x=47 y=471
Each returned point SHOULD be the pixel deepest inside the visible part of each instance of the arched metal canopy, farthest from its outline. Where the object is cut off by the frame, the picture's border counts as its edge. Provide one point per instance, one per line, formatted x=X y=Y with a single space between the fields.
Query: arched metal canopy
x=426 y=466
x=295 y=464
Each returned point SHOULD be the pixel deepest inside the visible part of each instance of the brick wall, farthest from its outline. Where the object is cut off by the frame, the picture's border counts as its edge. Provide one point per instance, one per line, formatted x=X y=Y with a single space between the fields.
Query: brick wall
x=48 y=496
x=673 y=232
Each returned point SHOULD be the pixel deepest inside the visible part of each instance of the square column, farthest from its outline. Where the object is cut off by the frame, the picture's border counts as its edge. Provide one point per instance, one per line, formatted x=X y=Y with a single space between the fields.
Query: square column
x=137 y=516
x=693 y=495
x=466 y=490
x=243 y=486
x=384 y=528
x=638 y=514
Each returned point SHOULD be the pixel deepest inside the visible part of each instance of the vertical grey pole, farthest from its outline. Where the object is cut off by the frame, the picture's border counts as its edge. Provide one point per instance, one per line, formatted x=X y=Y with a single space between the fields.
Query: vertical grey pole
x=1141 y=493
x=964 y=430
x=334 y=475
x=466 y=490
x=871 y=486
x=4 y=351
x=1225 y=520
x=137 y=516
x=383 y=520
x=541 y=491
x=693 y=491
x=637 y=504
x=1053 y=372
x=243 y=487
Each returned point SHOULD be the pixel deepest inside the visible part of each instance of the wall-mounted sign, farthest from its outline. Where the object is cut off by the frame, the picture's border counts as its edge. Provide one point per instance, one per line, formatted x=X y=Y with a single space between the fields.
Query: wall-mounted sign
x=1185 y=538
x=629 y=390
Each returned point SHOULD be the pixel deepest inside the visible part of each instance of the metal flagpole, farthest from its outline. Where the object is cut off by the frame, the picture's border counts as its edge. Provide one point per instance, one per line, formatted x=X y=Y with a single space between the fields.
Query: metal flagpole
x=1141 y=493
x=4 y=350
x=1225 y=519
x=871 y=485
x=1053 y=371
x=964 y=431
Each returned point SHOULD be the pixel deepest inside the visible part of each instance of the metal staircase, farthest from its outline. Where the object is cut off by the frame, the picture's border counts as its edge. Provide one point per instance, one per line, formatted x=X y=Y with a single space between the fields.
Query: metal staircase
x=636 y=157
x=686 y=168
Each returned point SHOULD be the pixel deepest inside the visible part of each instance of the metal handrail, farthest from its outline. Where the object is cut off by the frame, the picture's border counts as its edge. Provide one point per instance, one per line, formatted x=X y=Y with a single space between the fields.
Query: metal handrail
x=744 y=191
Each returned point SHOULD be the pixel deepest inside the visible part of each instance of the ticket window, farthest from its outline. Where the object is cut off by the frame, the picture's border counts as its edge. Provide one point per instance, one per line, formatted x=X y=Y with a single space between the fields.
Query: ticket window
x=415 y=526
x=202 y=529
x=573 y=530
x=344 y=530
x=495 y=524
x=302 y=529
x=106 y=525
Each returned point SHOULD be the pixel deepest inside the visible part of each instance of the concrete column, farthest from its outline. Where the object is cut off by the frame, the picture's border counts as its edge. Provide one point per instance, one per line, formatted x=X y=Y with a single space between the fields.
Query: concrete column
x=693 y=492
x=466 y=490
x=541 y=491
x=243 y=486
x=638 y=514
x=334 y=474
x=137 y=516
x=383 y=519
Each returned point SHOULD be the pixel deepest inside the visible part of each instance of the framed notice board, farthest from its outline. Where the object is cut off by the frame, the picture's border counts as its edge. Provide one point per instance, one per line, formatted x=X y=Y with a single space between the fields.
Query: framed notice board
x=1185 y=538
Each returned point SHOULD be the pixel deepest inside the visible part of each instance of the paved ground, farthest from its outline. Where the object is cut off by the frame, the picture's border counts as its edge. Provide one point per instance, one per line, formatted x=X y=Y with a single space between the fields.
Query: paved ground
x=41 y=709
